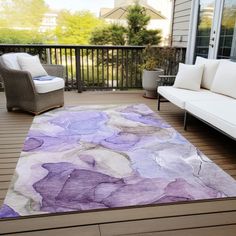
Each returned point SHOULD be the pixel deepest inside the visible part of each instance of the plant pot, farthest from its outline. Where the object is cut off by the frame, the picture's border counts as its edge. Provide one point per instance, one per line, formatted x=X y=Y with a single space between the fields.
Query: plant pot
x=149 y=82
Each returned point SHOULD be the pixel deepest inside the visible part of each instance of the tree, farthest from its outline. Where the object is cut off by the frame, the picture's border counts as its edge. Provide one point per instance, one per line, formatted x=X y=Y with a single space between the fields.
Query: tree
x=13 y=36
x=137 y=31
x=20 y=21
x=23 y=14
x=109 y=35
x=76 y=28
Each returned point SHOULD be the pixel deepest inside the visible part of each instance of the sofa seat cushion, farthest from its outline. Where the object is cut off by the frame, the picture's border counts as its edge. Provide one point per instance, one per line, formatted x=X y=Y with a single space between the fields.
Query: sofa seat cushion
x=220 y=114
x=180 y=96
x=49 y=85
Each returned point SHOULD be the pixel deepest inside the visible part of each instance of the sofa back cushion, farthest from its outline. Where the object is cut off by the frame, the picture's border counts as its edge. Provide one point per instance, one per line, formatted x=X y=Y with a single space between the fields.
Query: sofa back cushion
x=10 y=59
x=189 y=77
x=225 y=79
x=210 y=68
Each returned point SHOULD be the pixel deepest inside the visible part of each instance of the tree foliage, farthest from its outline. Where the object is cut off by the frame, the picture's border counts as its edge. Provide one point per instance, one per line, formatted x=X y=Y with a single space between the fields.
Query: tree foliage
x=138 y=34
x=76 y=28
x=23 y=14
x=20 y=21
x=137 y=22
x=109 y=35
x=135 y=33
x=13 y=36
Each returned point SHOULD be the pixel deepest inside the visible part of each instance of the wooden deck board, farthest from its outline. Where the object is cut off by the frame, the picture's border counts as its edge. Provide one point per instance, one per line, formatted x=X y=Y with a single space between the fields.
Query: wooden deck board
x=228 y=230
x=206 y=218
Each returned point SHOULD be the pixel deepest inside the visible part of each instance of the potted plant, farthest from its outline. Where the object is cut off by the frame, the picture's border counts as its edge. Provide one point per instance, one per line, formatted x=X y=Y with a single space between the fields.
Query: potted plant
x=151 y=61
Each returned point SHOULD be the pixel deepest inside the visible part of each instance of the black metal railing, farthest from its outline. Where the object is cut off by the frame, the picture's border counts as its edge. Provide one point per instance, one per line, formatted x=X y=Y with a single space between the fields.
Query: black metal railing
x=99 y=67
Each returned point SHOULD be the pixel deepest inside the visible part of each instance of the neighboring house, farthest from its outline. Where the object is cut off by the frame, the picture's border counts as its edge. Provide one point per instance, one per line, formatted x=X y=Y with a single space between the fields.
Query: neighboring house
x=5 y=3
x=165 y=7
x=49 y=22
x=205 y=27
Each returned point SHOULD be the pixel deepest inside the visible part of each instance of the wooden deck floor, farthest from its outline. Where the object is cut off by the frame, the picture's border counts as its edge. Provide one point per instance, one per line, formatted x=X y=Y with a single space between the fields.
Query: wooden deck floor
x=198 y=218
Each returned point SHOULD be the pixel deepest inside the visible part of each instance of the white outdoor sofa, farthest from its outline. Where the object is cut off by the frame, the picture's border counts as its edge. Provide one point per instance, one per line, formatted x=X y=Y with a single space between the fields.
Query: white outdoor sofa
x=215 y=104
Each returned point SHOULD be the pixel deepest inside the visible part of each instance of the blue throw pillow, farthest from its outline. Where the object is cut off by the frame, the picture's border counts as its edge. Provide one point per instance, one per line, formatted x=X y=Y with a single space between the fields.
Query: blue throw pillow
x=44 y=78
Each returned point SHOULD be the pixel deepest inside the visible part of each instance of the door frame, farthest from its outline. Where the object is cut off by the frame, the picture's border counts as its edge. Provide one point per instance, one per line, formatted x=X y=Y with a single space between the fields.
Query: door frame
x=215 y=30
x=233 y=49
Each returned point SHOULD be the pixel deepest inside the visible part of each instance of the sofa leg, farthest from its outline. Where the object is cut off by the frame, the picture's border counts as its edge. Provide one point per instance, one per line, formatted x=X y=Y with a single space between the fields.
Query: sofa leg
x=185 y=120
x=9 y=109
x=158 y=101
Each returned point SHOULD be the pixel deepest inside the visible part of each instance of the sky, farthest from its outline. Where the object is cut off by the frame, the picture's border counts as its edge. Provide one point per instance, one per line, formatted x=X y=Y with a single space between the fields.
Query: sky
x=78 y=5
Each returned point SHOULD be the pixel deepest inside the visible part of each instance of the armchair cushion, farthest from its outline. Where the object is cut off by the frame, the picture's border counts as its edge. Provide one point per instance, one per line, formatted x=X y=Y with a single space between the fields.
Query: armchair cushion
x=10 y=60
x=49 y=85
x=32 y=65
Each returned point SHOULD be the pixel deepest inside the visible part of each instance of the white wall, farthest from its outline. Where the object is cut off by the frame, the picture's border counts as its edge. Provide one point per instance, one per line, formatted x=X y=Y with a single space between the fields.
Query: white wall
x=182 y=11
x=165 y=7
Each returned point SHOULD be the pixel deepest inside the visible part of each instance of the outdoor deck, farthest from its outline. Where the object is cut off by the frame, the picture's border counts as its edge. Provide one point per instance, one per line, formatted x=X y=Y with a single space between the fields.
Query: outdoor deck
x=199 y=218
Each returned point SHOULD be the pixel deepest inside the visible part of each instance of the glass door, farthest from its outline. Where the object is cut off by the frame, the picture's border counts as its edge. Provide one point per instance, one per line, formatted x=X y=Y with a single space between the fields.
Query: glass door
x=216 y=29
x=206 y=9
x=227 y=35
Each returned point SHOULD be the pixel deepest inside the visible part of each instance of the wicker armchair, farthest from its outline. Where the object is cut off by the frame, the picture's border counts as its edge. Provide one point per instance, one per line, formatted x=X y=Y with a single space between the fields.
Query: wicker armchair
x=21 y=92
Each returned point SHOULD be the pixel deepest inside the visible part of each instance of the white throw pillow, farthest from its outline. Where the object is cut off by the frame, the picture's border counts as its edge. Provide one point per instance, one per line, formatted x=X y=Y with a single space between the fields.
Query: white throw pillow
x=189 y=77
x=210 y=67
x=32 y=65
x=11 y=61
x=225 y=79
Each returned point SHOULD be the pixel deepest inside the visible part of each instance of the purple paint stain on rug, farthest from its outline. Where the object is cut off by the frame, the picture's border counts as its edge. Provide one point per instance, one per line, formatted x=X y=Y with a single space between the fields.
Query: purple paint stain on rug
x=98 y=157
x=73 y=188
x=32 y=143
x=121 y=141
x=146 y=119
x=83 y=122
x=7 y=212
x=37 y=142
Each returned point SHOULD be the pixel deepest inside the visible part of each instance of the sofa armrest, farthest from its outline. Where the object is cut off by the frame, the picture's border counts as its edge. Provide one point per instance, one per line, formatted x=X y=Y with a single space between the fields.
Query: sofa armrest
x=166 y=80
x=55 y=70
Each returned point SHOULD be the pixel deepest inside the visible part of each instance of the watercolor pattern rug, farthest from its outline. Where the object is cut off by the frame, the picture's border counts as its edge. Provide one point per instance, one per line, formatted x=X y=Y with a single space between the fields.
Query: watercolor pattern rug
x=96 y=157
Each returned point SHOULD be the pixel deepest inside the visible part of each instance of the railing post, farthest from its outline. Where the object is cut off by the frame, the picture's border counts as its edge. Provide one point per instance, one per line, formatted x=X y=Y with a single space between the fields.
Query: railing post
x=122 y=68
x=78 y=70
x=48 y=56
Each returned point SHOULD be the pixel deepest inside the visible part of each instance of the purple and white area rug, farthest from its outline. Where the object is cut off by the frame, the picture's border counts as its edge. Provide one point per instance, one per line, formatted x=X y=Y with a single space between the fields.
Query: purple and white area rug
x=96 y=157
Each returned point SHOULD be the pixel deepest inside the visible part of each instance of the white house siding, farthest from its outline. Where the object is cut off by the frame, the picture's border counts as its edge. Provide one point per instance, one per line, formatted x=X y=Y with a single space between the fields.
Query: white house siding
x=181 y=19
